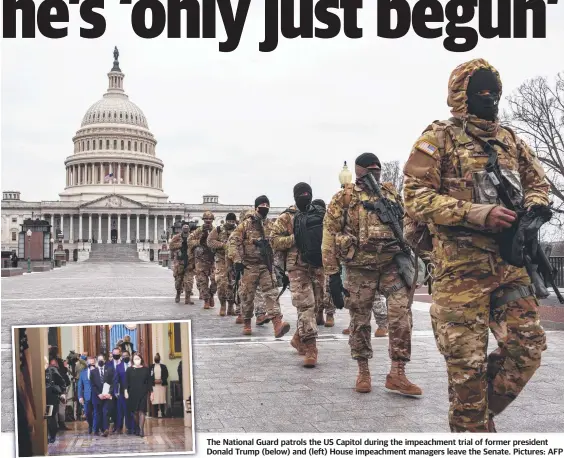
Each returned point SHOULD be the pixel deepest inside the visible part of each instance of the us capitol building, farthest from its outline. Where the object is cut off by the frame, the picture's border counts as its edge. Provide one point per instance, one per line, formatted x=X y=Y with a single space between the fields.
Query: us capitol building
x=114 y=185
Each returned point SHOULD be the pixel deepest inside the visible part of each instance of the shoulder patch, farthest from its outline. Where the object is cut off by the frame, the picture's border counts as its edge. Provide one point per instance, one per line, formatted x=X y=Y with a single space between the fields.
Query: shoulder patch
x=426 y=147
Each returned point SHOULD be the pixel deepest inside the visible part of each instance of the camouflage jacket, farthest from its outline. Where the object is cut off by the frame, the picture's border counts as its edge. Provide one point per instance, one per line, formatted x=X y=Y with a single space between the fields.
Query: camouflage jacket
x=242 y=246
x=175 y=247
x=217 y=241
x=355 y=236
x=197 y=243
x=445 y=184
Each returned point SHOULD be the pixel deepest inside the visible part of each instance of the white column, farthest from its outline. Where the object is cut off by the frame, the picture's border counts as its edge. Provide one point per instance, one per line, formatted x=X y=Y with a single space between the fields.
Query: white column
x=119 y=228
x=147 y=226
x=135 y=175
x=71 y=235
x=99 y=228
x=90 y=226
x=137 y=228
x=79 y=227
x=127 y=176
x=128 y=239
x=156 y=235
x=109 y=229
x=53 y=225
x=119 y=176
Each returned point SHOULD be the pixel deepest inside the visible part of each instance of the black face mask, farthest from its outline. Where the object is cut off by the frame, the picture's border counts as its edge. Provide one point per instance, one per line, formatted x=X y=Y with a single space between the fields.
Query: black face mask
x=101 y=363
x=116 y=357
x=484 y=106
x=126 y=359
x=263 y=211
x=302 y=202
x=229 y=225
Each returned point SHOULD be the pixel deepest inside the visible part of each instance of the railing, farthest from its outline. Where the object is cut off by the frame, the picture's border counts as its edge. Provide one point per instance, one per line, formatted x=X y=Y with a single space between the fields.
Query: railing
x=557 y=262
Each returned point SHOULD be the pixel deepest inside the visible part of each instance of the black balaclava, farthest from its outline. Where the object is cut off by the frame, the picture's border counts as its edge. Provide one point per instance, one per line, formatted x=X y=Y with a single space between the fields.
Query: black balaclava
x=319 y=203
x=484 y=106
x=230 y=220
x=362 y=163
x=263 y=211
x=302 y=195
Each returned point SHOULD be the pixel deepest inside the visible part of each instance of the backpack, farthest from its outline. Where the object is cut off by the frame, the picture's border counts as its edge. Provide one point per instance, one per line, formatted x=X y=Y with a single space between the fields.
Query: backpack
x=308 y=234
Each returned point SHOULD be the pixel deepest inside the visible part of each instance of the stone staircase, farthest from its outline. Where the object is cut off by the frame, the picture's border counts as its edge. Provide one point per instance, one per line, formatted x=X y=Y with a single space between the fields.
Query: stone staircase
x=114 y=252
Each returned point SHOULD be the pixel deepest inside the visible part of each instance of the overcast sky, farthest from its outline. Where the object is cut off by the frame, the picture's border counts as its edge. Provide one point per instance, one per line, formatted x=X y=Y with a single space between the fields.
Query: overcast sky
x=244 y=123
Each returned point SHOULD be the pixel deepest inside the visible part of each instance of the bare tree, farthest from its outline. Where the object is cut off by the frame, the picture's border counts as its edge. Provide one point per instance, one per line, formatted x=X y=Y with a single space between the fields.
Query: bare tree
x=536 y=113
x=393 y=171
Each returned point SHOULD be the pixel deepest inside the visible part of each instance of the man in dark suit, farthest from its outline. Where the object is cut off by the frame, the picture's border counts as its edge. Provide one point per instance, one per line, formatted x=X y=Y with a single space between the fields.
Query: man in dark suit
x=122 y=412
x=114 y=363
x=85 y=394
x=100 y=376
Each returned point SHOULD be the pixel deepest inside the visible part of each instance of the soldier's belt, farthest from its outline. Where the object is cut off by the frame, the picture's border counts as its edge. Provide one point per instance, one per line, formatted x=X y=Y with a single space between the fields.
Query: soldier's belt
x=513 y=295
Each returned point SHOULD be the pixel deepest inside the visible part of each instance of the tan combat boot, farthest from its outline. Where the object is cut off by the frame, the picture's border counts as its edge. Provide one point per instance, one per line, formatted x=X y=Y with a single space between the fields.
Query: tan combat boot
x=319 y=318
x=310 y=359
x=381 y=332
x=363 y=381
x=187 y=299
x=212 y=303
x=397 y=381
x=329 y=321
x=262 y=319
x=206 y=304
x=247 y=331
x=347 y=331
x=230 y=311
x=280 y=327
x=177 y=298
x=239 y=319
x=222 y=308
x=297 y=343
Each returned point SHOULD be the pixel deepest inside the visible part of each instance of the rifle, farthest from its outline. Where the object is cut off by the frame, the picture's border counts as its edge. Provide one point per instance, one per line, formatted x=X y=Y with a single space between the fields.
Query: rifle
x=265 y=249
x=236 y=289
x=285 y=279
x=537 y=215
x=184 y=250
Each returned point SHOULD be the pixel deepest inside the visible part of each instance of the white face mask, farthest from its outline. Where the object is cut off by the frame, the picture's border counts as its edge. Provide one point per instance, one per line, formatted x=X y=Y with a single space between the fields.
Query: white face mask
x=137 y=361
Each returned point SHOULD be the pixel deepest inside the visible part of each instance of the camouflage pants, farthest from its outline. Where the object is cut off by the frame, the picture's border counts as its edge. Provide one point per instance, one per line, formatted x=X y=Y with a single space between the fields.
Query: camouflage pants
x=326 y=303
x=306 y=287
x=258 y=277
x=464 y=308
x=363 y=284
x=224 y=288
x=380 y=311
x=205 y=280
x=260 y=303
x=183 y=278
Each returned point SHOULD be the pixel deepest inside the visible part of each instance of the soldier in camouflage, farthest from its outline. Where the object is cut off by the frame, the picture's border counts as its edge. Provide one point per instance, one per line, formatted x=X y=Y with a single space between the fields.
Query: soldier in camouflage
x=380 y=312
x=217 y=241
x=197 y=243
x=182 y=269
x=250 y=251
x=306 y=281
x=357 y=238
x=474 y=289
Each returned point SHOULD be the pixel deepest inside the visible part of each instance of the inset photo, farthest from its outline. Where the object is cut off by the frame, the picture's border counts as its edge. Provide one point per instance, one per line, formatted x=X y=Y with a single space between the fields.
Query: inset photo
x=103 y=389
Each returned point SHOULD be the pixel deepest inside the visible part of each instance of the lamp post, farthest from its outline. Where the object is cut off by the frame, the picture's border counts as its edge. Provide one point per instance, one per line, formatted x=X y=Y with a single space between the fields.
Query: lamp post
x=345 y=177
x=28 y=233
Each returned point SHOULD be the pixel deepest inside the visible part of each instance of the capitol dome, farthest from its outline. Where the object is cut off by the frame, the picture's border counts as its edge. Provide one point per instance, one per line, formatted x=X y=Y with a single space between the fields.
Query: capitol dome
x=114 y=147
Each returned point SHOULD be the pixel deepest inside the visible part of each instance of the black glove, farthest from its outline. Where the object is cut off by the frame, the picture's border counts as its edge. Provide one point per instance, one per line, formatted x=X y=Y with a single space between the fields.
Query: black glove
x=336 y=289
x=239 y=267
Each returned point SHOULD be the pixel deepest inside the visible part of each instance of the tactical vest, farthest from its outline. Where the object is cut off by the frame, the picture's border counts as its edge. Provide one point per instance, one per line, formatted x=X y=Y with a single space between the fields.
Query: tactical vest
x=467 y=180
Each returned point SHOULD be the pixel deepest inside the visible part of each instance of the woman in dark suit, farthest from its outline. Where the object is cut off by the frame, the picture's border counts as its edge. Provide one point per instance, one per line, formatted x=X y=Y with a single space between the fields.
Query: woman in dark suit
x=159 y=377
x=139 y=385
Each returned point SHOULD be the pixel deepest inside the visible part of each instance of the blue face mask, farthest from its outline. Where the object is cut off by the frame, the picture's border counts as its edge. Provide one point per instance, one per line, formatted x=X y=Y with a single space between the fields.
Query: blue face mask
x=83 y=358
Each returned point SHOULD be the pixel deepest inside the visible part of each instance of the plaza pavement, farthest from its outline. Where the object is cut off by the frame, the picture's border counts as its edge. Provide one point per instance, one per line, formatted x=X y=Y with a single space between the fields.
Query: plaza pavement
x=257 y=383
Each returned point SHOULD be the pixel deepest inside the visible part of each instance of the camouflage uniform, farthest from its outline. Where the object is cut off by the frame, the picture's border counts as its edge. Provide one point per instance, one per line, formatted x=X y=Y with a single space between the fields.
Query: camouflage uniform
x=217 y=240
x=183 y=278
x=205 y=279
x=474 y=289
x=356 y=237
x=306 y=285
x=242 y=249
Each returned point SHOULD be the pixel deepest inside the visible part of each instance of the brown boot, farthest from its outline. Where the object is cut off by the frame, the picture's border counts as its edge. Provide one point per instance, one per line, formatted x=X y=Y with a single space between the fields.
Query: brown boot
x=297 y=343
x=329 y=321
x=347 y=331
x=280 y=327
x=310 y=359
x=262 y=319
x=239 y=319
x=319 y=318
x=397 y=381
x=206 y=304
x=230 y=311
x=222 y=308
x=187 y=299
x=247 y=328
x=177 y=298
x=381 y=332
x=363 y=381
x=212 y=303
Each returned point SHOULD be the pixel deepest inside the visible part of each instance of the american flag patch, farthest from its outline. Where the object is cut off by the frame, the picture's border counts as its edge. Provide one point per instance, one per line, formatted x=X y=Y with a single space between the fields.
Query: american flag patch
x=426 y=147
